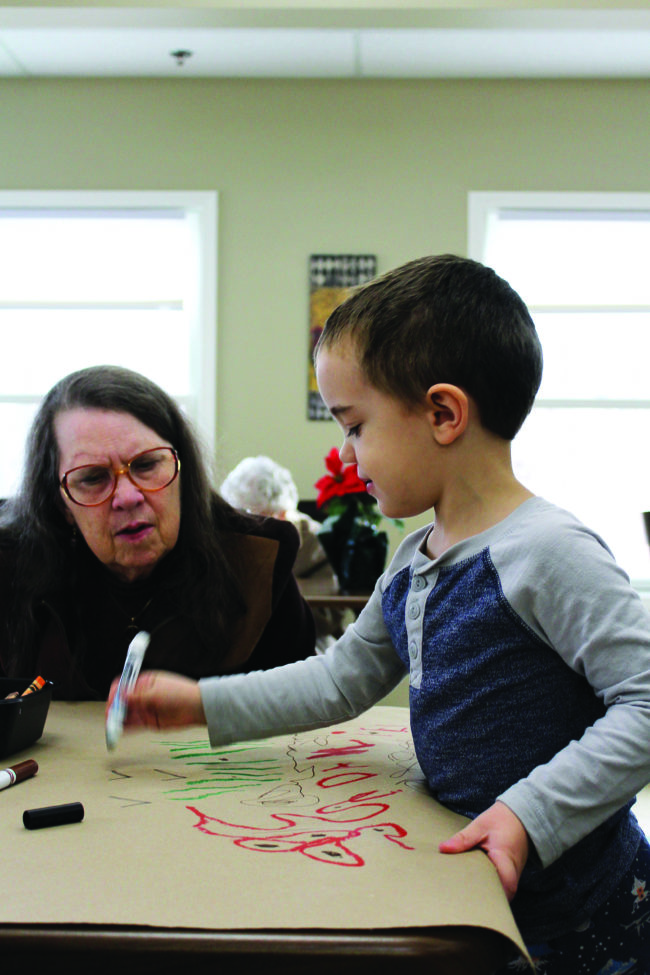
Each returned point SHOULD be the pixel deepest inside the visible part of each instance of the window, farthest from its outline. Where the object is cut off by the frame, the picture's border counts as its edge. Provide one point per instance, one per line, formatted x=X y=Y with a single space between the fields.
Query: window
x=105 y=278
x=580 y=262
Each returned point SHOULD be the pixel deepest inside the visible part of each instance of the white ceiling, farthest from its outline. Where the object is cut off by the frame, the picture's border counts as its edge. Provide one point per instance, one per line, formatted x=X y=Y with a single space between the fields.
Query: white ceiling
x=348 y=43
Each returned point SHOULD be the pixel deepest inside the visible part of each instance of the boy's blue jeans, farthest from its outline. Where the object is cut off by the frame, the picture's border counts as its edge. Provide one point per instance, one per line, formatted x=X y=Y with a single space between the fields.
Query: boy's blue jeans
x=615 y=941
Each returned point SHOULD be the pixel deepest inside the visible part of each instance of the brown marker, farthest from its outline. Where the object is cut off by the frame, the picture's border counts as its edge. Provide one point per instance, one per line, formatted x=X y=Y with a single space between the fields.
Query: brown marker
x=16 y=773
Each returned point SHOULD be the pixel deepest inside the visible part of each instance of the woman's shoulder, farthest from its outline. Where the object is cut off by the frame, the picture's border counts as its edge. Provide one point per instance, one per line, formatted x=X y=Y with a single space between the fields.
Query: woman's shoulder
x=278 y=529
x=236 y=522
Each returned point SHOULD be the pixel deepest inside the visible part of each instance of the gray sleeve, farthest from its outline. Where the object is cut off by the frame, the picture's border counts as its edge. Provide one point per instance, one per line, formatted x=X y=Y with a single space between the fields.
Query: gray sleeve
x=352 y=675
x=568 y=589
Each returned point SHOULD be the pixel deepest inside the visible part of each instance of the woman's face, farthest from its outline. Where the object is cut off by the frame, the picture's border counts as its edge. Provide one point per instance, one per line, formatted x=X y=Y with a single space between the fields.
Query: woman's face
x=130 y=532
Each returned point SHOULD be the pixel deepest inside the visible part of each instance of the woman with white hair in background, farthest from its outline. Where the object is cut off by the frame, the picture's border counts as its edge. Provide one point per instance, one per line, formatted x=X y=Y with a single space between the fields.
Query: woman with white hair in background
x=260 y=486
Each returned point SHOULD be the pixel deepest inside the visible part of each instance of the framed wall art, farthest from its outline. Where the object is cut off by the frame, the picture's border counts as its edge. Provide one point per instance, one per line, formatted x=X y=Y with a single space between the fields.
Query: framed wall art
x=331 y=276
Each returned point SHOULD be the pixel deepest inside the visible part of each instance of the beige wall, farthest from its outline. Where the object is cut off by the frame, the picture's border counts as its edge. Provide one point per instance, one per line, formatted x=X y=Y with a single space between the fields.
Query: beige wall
x=301 y=167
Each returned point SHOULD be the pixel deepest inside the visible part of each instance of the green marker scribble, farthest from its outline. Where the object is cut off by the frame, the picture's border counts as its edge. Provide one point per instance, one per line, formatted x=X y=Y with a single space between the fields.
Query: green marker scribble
x=221 y=771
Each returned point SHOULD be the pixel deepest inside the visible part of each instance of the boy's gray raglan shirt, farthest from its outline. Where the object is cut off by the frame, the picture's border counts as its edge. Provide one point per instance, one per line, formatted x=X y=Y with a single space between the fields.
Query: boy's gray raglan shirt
x=529 y=661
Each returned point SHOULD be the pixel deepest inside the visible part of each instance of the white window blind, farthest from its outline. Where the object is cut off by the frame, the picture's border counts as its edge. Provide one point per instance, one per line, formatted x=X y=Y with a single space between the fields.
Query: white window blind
x=105 y=278
x=580 y=262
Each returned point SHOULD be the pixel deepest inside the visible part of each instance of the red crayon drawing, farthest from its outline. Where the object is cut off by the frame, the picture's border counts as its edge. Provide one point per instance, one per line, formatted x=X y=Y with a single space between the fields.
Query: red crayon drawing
x=348 y=810
x=286 y=834
x=351 y=773
x=354 y=749
x=329 y=832
x=326 y=845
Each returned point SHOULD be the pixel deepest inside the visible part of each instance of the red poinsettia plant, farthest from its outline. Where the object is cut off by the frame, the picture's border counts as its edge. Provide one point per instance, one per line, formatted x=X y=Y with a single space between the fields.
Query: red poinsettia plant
x=349 y=534
x=341 y=480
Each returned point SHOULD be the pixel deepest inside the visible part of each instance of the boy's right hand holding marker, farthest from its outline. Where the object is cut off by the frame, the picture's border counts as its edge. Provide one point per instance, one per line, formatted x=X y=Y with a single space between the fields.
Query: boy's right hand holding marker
x=160 y=699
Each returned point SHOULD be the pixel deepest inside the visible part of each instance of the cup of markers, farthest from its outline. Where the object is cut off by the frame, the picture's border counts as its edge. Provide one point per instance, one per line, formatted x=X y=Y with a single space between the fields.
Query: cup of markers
x=24 y=705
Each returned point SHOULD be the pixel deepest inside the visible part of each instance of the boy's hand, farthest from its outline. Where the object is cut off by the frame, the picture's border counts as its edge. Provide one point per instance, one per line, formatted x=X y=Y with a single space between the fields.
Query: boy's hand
x=161 y=699
x=503 y=837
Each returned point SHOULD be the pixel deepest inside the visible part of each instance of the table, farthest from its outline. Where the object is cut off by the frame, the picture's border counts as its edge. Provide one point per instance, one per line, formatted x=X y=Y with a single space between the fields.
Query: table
x=137 y=951
x=170 y=865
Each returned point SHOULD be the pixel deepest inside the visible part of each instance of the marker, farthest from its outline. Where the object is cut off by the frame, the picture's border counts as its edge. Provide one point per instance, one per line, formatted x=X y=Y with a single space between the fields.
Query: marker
x=16 y=773
x=117 y=711
x=69 y=812
x=35 y=685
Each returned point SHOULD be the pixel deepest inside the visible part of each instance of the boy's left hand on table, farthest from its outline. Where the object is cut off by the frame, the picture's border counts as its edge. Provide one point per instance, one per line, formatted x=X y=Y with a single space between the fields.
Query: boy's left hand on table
x=503 y=837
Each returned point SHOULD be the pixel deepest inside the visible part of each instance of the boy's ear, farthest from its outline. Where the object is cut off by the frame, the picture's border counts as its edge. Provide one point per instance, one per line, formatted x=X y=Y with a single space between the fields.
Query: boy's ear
x=448 y=408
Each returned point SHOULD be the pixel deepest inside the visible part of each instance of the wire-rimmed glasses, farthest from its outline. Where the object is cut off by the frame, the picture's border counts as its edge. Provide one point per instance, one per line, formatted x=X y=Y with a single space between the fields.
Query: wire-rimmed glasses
x=93 y=484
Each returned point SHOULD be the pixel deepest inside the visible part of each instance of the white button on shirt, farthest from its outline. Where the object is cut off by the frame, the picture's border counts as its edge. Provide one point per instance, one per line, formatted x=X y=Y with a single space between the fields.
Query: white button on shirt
x=415 y=611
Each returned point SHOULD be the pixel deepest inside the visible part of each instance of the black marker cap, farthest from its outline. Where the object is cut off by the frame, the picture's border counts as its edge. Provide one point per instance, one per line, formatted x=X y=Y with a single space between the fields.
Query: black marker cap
x=69 y=812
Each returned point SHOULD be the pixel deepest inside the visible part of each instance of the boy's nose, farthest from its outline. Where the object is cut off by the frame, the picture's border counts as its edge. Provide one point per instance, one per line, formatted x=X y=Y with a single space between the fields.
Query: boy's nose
x=346 y=453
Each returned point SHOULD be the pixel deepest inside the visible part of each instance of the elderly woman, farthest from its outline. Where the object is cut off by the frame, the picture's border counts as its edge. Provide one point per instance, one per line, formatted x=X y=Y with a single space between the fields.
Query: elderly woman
x=262 y=486
x=116 y=529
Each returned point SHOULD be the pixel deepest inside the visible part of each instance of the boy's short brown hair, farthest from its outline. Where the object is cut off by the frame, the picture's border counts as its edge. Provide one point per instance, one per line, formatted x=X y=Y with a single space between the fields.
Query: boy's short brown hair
x=445 y=319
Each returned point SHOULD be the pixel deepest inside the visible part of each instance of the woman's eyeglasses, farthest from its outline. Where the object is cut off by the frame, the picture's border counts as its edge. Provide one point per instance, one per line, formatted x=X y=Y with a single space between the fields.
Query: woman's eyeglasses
x=93 y=484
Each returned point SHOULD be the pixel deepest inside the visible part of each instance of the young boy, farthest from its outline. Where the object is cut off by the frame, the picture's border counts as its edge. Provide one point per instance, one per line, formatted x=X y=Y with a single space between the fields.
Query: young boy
x=527 y=649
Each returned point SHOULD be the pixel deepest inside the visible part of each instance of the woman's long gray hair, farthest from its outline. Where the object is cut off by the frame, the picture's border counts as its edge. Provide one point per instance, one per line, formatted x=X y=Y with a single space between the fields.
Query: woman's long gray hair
x=34 y=520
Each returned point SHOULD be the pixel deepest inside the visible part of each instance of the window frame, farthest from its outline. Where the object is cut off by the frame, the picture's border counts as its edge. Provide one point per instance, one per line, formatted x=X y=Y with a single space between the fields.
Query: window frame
x=482 y=209
x=201 y=207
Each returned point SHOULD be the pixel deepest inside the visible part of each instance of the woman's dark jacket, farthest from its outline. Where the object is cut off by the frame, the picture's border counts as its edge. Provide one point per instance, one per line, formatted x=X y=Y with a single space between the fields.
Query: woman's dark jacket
x=83 y=632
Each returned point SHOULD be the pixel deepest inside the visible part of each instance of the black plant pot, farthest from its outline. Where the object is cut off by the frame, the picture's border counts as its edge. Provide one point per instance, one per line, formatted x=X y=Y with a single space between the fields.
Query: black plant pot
x=356 y=549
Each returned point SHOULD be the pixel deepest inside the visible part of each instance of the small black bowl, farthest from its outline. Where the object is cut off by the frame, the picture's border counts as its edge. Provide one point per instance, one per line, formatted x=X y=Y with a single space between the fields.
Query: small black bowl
x=22 y=719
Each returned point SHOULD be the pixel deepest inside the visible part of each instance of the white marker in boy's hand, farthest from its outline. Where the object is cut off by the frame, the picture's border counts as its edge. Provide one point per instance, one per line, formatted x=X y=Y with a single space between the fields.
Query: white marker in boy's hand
x=117 y=710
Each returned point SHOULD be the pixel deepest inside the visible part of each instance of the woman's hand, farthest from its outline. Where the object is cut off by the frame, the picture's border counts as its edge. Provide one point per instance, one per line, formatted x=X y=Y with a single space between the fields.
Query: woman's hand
x=160 y=700
x=503 y=837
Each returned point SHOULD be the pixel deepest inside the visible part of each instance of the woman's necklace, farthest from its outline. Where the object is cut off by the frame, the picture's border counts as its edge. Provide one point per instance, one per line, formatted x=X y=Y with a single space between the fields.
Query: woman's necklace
x=132 y=614
x=132 y=626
